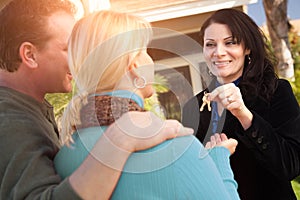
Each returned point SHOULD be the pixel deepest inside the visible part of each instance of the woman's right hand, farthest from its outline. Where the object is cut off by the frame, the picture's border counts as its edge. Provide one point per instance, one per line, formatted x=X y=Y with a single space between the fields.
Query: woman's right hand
x=222 y=140
x=230 y=97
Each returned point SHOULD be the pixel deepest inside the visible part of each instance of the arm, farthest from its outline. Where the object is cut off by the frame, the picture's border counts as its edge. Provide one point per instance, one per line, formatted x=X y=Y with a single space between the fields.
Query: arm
x=27 y=171
x=220 y=149
x=98 y=175
x=220 y=155
x=274 y=134
x=271 y=130
x=100 y=178
x=26 y=166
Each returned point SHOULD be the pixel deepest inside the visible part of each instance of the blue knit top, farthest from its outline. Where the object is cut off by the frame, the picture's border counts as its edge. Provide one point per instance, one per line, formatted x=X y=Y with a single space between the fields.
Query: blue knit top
x=180 y=168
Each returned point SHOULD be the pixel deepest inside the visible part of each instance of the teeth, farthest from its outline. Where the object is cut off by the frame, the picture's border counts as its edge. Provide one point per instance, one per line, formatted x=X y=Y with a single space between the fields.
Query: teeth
x=222 y=63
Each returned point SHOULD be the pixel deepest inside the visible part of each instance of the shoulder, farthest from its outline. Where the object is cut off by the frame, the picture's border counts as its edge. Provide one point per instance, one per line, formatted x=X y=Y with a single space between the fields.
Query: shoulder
x=283 y=84
x=20 y=112
x=284 y=102
x=14 y=121
x=284 y=90
x=23 y=130
x=19 y=124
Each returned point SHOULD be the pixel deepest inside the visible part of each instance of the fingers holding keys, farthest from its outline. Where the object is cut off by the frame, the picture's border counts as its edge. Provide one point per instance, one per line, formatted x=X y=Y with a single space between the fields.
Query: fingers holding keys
x=221 y=92
x=225 y=94
x=229 y=96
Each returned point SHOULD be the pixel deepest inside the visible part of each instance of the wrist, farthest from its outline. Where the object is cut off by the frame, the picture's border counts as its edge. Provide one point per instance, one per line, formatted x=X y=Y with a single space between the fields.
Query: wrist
x=245 y=117
x=110 y=153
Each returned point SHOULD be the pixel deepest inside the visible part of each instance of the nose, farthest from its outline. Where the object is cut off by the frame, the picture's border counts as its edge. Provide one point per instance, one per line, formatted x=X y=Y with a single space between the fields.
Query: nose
x=219 y=50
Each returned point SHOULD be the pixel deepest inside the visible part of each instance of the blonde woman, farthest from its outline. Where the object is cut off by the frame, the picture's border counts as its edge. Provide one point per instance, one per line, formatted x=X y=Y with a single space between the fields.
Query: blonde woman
x=113 y=74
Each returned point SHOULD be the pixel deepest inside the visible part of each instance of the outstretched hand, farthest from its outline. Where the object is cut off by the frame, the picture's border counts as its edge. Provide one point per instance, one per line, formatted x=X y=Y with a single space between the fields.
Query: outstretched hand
x=222 y=140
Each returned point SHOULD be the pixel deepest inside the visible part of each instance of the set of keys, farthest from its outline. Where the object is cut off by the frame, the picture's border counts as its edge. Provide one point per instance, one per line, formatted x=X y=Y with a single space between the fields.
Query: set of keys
x=205 y=102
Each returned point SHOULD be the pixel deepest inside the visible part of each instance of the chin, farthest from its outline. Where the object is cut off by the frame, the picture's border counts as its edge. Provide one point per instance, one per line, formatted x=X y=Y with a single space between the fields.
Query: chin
x=148 y=96
x=146 y=92
x=68 y=86
x=67 y=89
x=149 y=92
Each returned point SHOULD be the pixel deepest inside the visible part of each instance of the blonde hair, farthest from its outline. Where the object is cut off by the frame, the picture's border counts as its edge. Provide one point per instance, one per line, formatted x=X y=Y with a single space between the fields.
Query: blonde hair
x=101 y=47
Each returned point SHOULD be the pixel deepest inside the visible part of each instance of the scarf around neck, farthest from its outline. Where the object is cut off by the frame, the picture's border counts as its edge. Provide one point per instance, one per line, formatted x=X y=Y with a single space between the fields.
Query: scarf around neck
x=104 y=110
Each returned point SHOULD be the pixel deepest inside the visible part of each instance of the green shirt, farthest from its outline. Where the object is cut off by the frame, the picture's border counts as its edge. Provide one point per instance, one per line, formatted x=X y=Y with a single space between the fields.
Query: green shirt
x=29 y=142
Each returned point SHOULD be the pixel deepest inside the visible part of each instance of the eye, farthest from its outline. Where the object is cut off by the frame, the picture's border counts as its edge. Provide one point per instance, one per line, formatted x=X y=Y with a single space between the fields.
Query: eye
x=210 y=44
x=231 y=42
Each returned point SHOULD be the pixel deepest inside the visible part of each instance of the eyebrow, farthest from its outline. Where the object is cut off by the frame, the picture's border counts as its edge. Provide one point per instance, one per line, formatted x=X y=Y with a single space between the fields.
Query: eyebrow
x=230 y=37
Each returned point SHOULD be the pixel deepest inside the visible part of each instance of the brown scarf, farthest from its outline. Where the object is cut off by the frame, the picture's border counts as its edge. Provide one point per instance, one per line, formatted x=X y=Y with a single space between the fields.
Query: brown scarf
x=104 y=110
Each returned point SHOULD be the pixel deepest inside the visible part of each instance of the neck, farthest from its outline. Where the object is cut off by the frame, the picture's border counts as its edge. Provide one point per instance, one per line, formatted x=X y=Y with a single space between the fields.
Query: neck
x=123 y=94
x=233 y=80
x=105 y=110
x=21 y=83
x=131 y=90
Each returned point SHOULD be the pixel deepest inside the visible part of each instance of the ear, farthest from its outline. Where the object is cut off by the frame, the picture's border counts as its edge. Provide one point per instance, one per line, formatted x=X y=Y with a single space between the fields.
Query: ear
x=247 y=52
x=28 y=53
x=133 y=65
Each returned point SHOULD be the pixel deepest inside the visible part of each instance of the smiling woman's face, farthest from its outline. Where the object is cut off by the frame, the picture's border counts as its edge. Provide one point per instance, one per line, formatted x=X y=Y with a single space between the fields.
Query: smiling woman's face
x=224 y=56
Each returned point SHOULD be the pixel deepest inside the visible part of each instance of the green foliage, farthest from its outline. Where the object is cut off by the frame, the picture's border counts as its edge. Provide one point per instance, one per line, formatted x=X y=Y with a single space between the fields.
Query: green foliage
x=296 y=84
x=152 y=104
x=294 y=39
x=59 y=102
x=296 y=186
x=295 y=47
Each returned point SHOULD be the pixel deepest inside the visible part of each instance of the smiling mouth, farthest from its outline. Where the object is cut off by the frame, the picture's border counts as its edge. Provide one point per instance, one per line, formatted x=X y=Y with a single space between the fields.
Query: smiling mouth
x=221 y=63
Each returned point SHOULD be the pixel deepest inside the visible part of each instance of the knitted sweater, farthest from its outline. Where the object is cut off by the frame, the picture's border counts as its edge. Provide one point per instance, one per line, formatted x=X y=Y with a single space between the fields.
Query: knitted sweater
x=176 y=169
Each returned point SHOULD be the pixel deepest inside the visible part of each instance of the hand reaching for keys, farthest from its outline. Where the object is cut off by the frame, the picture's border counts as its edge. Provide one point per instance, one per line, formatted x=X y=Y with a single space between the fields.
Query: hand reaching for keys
x=222 y=140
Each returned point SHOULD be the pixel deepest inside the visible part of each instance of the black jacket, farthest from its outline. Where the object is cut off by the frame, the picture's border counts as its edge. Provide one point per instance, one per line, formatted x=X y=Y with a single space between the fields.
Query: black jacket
x=267 y=157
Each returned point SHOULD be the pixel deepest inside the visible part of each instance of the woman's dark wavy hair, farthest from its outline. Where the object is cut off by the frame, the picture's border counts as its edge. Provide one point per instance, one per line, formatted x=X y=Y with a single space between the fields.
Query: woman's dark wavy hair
x=259 y=77
x=26 y=21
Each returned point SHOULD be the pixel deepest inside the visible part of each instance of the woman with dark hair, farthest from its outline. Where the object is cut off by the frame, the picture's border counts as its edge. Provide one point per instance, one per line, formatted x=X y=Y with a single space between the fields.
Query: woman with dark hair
x=249 y=103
